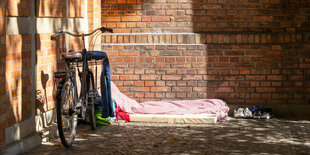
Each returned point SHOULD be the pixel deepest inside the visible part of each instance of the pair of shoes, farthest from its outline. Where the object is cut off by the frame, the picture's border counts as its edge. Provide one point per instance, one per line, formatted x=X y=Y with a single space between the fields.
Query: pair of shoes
x=238 y=113
x=243 y=113
x=265 y=115
x=262 y=114
x=257 y=114
x=247 y=113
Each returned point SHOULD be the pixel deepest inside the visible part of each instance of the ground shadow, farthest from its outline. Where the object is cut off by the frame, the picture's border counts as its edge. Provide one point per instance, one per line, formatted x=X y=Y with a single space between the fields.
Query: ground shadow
x=232 y=137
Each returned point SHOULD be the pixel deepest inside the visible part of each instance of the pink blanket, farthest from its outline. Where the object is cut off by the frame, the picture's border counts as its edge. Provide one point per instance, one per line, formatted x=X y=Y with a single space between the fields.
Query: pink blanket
x=206 y=106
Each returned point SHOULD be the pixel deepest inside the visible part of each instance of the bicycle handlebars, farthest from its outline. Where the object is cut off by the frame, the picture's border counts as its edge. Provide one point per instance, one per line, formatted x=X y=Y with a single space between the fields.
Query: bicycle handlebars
x=61 y=32
x=104 y=29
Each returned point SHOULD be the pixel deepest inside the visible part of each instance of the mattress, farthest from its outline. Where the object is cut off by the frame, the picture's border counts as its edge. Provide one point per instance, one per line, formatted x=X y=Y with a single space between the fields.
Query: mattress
x=187 y=118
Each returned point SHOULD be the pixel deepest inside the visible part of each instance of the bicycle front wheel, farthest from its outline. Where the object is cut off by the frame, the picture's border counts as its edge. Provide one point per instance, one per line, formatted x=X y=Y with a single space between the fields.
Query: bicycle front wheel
x=91 y=104
x=66 y=115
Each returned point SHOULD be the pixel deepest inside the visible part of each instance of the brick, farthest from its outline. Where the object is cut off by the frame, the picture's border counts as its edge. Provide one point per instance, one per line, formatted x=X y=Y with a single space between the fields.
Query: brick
x=191 y=95
x=170 y=60
x=159 y=95
x=181 y=89
x=171 y=77
x=131 y=18
x=128 y=53
x=245 y=71
x=181 y=83
x=234 y=53
x=139 y=89
x=275 y=77
x=149 y=83
x=265 y=84
x=139 y=95
x=244 y=89
x=213 y=77
x=150 y=77
x=160 y=19
x=138 y=83
x=181 y=95
x=170 y=95
x=200 y=89
x=139 y=59
x=171 y=71
x=111 y=19
x=192 y=77
x=124 y=83
x=255 y=77
x=149 y=95
x=275 y=53
x=265 y=90
x=180 y=59
x=129 y=77
x=146 y=18
x=296 y=77
x=211 y=6
x=160 y=89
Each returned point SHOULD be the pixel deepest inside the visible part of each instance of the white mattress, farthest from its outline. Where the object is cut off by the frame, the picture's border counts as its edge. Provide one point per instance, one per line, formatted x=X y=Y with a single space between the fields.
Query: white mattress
x=187 y=118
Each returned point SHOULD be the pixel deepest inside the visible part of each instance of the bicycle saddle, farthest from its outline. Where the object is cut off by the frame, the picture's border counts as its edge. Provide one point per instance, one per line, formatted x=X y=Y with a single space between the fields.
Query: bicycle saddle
x=72 y=55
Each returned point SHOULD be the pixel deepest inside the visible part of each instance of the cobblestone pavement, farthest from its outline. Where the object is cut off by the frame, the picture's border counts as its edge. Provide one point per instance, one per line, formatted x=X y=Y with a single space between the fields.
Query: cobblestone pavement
x=237 y=136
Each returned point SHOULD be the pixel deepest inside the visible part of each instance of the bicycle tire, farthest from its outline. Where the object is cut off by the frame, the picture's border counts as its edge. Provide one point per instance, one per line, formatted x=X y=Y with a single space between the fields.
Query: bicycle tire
x=66 y=116
x=90 y=104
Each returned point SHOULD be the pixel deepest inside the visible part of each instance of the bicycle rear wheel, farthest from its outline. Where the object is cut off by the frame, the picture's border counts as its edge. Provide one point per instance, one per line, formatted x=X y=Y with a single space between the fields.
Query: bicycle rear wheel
x=90 y=103
x=66 y=116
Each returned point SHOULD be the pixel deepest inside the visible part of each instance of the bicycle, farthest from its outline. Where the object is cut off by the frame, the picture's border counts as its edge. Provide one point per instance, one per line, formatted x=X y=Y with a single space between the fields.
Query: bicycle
x=70 y=105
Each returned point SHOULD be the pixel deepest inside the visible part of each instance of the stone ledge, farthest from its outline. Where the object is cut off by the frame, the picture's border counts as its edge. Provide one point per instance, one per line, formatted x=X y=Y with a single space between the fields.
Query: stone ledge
x=23 y=145
x=205 y=38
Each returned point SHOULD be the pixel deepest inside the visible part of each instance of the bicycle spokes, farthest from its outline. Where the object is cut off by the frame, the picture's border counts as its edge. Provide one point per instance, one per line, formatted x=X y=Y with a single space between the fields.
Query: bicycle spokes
x=66 y=115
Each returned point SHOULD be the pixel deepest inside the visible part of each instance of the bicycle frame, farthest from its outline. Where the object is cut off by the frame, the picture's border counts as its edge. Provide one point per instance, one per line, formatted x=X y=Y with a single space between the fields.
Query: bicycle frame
x=84 y=71
x=85 y=67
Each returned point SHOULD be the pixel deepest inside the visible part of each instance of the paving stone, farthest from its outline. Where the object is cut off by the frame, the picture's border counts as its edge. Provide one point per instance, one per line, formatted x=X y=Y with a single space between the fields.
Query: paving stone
x=237 y=136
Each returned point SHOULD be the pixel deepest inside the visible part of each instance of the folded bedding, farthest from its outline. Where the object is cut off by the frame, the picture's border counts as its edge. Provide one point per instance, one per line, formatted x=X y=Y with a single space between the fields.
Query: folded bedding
x=200 y=106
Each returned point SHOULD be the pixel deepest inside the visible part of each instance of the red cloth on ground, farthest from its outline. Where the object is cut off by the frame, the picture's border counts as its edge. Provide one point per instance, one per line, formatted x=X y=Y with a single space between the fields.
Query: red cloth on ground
x=123 y=115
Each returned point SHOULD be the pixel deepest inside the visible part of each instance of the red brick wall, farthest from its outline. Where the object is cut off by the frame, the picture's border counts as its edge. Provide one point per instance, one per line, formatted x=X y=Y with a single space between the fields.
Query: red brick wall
x=19 y=7
x=76 y=8
x=257 y=51
x=94 y=20
x=16 y=59
x=51 y=8
x=93 y=14
x=49 y=51
x=48 y=61
x=259 y=69
x=251 y=52
x=251 y=16
x=18 y=78
x=3 y=97
x=15 y=56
